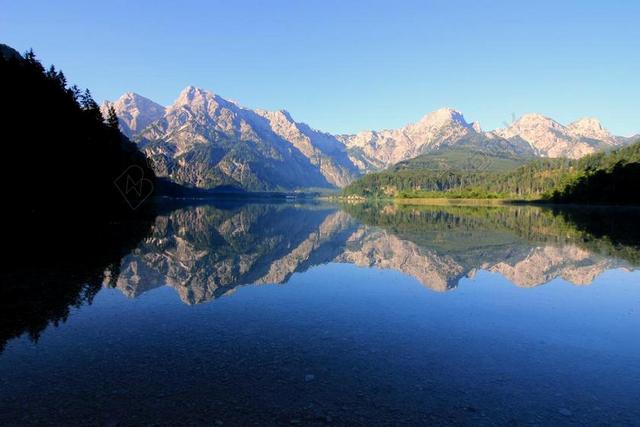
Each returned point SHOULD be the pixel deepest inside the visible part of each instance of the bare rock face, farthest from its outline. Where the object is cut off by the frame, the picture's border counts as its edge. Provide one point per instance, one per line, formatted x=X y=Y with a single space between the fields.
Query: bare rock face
x=446 y=127
x=322 y=149
x=205 y=141
x=135 y=112
x=549 y=138
x=589 y=127
x=379 y=149
x=531 y=135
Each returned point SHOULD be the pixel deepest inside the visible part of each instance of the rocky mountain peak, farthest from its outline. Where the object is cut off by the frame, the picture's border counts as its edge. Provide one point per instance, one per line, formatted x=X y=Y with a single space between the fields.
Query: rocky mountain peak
x=135 y=112
x=199 y=120
x=285 y=114
x=535 y=119
x=443 y=117
x=281 y=116
x=207 y=141
x=549 y=138
x=588 y=122
x=131 y=98
x=589 y=127
x=193 y=95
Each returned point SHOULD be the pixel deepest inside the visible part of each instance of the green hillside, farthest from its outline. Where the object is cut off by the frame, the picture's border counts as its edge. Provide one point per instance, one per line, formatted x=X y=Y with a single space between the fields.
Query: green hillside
x=598 y=178
x=459 y=159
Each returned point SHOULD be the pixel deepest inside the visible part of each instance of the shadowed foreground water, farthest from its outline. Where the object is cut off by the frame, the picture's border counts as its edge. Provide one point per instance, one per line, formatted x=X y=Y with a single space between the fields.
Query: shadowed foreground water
x=316 y=315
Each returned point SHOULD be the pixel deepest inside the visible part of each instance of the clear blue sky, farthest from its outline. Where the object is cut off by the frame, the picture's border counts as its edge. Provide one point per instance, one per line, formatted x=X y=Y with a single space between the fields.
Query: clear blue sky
x=345 y=66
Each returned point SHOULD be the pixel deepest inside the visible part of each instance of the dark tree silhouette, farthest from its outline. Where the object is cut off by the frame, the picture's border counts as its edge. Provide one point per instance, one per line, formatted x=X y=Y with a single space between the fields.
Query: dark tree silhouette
x=65 y=220
x=618 y=186
x=61 y=158
x=112 y=118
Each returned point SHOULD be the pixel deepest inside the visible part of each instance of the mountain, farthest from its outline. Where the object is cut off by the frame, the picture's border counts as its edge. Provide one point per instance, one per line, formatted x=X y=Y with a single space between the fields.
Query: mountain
x=135 y=112
x=322 y=149
x=627 y=140
x=605 y=177
x=548 y=138
x=205 y=141
x=446 y=129
x=439 y=130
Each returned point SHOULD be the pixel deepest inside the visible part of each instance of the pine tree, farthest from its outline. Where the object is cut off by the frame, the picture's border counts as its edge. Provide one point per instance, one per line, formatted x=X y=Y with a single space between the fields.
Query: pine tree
x=86 y=100
x=90 y=106
x=74 y=91
x=112 y=117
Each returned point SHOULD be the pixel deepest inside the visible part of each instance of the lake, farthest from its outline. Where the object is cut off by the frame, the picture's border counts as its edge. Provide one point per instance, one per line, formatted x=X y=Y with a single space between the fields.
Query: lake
x=248 y=313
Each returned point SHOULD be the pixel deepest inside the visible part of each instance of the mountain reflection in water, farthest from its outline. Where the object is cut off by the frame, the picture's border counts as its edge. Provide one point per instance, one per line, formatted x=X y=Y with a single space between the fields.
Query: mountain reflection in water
x=110 y=325
x=204 y=252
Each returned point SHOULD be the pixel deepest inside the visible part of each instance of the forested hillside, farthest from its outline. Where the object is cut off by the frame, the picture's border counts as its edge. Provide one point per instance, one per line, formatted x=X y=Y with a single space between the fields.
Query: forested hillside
x=609 y=177
x=62 y=156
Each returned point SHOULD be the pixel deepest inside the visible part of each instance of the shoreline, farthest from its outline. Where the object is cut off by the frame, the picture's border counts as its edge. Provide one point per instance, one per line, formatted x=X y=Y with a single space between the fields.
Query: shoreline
x=427 y=201
x=465 y=202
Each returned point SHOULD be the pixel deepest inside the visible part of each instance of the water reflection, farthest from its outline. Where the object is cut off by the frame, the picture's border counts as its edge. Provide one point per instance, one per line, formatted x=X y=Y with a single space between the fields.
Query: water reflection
x=204 y=252
x=53 y=266
x=353 y=338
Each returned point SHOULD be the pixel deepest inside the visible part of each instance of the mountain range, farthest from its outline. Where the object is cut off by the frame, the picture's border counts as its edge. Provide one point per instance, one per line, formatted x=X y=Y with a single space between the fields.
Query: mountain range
x=203 y=140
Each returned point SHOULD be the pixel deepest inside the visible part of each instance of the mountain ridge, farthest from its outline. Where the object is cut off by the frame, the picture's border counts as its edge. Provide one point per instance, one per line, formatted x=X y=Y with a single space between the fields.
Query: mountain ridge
x=204 y=140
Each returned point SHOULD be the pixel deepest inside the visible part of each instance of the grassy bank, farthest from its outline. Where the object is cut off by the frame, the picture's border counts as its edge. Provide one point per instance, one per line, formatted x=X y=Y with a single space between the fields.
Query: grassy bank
x=432 y=201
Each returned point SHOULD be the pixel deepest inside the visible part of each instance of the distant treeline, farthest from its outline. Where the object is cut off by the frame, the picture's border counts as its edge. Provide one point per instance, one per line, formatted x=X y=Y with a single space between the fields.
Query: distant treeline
x=61 y=155
x=610 y=177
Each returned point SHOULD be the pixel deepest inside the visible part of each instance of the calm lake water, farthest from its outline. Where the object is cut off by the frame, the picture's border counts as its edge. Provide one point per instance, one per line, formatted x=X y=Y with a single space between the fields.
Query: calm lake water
x=261 y=314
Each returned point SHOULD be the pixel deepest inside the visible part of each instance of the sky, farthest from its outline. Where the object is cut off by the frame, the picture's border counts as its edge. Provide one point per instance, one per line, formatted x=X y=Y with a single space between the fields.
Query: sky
x=346 y=66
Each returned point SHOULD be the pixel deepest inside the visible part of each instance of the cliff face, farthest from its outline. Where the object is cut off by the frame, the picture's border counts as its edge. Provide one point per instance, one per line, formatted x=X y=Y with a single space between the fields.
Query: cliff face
x=135 y=112
x=549 y=138
x=443 y=128
x=206 y=141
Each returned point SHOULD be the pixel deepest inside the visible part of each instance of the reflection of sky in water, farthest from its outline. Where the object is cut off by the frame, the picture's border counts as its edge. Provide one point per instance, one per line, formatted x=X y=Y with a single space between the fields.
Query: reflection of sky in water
x=343 y=344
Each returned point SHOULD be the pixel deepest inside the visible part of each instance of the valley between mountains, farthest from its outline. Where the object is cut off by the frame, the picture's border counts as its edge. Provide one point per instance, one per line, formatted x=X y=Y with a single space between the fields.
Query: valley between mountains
x=205 y=141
